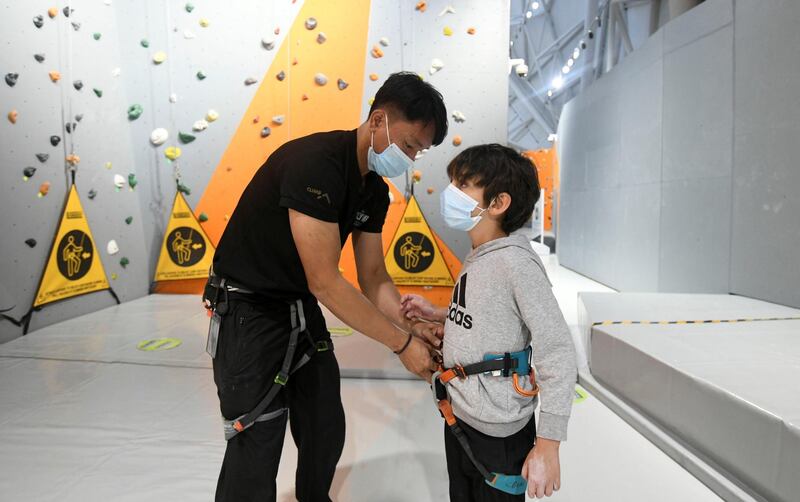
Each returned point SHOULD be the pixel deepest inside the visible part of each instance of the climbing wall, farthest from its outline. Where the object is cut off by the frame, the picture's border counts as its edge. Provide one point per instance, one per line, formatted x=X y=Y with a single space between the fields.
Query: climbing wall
x=153 y=91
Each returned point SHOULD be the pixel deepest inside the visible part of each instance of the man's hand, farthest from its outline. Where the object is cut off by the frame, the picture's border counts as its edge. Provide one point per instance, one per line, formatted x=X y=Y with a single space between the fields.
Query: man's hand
x=417 y=359
x=415 y=306
x=542 y=469
x=431 y=332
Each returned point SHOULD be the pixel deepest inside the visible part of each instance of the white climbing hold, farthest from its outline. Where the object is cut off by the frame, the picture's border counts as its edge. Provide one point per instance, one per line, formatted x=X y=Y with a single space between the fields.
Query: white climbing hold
x=212 y=115
x=112 y=248
x=458 y=116
x=278 y=119
x=173 y=98
x=188 y=34
x=159 y=136
x=320 y=79
x=384 y=42
x=200 y=125
x=268 y=42
x=436 y=65
x=448 y=10
x=119 y=181
x=115 y=72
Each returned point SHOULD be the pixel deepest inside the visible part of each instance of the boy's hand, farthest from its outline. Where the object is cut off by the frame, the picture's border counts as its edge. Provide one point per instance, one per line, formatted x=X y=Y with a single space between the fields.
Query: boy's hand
x=415 y=306
x=542 y=469
x=430 y=332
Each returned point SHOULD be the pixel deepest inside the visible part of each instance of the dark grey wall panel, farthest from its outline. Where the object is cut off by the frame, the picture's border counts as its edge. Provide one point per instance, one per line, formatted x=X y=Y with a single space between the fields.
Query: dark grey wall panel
x=766 y=217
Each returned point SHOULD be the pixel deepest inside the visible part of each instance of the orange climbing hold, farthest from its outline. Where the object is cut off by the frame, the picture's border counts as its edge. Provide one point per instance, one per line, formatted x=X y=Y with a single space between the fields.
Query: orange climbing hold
x=456 y=140
x=421 y=6
x=52 y=12
x=376 y=52
x=416 y=175
x=55 y=75
x=44 y=188
x=374 y=77
x=12 y=116
x=73 y=159
x=471 y=30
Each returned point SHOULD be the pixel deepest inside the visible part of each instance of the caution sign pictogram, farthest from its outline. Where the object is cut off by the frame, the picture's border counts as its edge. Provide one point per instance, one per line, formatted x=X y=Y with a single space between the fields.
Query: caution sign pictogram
x=413 y=258
x=186 y=252
x=73 y=267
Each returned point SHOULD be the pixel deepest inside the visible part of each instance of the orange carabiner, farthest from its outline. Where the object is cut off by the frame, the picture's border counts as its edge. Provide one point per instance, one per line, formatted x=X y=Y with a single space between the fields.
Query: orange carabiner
x=522 y=392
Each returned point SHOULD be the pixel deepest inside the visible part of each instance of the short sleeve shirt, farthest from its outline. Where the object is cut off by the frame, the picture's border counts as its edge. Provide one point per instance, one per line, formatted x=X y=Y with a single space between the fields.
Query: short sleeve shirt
x=316 y=175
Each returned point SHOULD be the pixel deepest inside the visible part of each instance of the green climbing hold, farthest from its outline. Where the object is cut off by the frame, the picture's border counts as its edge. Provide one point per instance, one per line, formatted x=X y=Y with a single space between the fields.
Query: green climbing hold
x=97 y=35
x=201 y=75
x=184 y=189
x=132 y=181
x=134 y=111
x=98 y=93
x=144 y=43
x=189 y=7
x=129 y=219
x=186 y=138
x=124 y=262
x=203 y=217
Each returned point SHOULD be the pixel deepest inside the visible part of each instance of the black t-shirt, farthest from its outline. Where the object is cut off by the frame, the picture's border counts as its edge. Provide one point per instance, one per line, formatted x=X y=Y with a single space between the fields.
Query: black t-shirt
x=316 y=175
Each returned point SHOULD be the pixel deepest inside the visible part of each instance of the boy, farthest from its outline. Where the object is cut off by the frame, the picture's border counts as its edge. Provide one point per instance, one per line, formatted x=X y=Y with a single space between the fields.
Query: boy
x=501 y=303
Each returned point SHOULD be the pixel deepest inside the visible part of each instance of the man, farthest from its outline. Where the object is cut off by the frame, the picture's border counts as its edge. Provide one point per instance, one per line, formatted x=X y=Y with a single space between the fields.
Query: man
x=279 y=255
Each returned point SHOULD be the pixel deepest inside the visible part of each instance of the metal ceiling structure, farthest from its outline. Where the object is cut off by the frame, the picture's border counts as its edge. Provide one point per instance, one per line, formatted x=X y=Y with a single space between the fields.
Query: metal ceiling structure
x=559 y=47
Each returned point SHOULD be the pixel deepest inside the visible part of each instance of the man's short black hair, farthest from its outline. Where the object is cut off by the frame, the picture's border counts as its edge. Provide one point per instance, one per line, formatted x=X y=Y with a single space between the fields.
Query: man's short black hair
x=497 y=169
x=417 y=100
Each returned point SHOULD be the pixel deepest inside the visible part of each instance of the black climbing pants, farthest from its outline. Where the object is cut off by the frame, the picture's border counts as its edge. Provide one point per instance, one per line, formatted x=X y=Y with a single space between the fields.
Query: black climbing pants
x=253 y=338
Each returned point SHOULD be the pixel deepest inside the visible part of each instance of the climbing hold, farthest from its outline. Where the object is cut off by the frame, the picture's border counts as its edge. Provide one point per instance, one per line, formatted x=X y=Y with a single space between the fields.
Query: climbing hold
x=112 y=248
x=39 y=57
x=96 y=35
x=92 y=193
x=30 y=242
x=311 y=23
x=294 y=62
x=448 y=10
x=144 y=43
x=188 y=34
x=135 y=111
x=373 y=76
x=132 y=181
x=172 y=153
x=79 y=117
x=278 y=119
x=384 y=41
x=98 y=92
x=67 y=11
x=201 y=75
x=266 y=131
x=186 y=138
x=376 y=52
x=212 y=115
x=456 y=140
x=421 y=6
x=42 y=157
x=128 y=220
x=321 y=38
x=436 y=65
x=320 y=79
x=72 y=159
x=448 y=31
x=70 y=126
x=173 y=98
x=189 y=7
x=256 y=119
x=108 y=165
x=44 y=188
x=391 y=198
x=76 y=26
x=55 y=140
x=12 y=116
x=184 y=189
x=226 y=217
x=200 y=125
x=78 y=85
x=342 y=84
x=304 y=97
x=280 y=76
x=430 y=190
x=159 y=57
x=52 y=12
x=114 y=276
x=38 y=21
x=119 y=181
x=268 y=42
x=458 y=116
x=471 y=30
x=55 y=75
x=115 y=72
x=28 y=173
x=277 y=30
x=250 y=81
x=371 y=100
x=159 y=136
x=416 y=175
x=202 y=217
x=11 y=79
x=204 y=23
x=124 y=262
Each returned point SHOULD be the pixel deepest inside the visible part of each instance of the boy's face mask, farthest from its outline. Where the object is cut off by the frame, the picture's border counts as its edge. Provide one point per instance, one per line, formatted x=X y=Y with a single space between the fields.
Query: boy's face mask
x=390 y=162
x=457 y=207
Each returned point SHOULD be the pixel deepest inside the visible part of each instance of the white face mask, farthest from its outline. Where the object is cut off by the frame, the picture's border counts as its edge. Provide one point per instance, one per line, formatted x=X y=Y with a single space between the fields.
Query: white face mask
x=390 y=162
x=457 y=207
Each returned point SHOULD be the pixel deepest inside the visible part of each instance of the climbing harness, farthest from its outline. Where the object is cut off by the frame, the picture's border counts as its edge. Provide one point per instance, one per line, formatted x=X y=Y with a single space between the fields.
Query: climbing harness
x=509 y=364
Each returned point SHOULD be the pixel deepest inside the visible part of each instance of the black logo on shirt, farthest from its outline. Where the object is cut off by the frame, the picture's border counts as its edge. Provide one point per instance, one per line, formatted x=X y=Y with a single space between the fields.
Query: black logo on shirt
x=319 y=193
x=458 y=305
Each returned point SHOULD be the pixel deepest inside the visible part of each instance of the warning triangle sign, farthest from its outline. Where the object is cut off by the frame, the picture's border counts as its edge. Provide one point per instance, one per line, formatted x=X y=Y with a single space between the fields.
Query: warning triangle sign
x=413 y=257
x=186 y=252
x=74 y=267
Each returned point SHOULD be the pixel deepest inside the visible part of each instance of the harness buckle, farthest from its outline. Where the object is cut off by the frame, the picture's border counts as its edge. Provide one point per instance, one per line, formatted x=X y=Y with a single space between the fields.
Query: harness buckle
x=459 y=371
x=322 y=346
x=281 y=378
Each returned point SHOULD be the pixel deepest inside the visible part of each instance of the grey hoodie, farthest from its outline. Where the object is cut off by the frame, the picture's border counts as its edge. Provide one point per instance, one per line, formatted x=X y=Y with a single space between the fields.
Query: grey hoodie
x=502 y=299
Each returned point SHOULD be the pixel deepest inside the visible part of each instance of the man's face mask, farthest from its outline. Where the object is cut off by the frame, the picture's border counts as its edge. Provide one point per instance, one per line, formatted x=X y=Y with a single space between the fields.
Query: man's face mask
x=457 y=207
x=390 y=162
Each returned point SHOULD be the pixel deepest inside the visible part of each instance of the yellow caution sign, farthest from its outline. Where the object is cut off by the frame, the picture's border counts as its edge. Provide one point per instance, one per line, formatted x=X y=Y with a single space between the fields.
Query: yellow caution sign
x=414 y=258
x=74 y=267
x=186 y=252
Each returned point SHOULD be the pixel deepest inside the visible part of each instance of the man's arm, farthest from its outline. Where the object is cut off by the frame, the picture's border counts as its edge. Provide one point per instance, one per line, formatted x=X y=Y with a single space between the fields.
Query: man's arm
x=318 y=244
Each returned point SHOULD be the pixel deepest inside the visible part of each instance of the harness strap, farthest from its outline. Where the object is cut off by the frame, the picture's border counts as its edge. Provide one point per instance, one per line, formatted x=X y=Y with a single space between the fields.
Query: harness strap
x=450 y=418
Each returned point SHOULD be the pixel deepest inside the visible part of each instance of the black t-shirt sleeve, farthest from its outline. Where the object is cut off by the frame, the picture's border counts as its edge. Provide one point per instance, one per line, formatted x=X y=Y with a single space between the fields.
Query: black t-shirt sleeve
x=377 y=210
x=314 y=188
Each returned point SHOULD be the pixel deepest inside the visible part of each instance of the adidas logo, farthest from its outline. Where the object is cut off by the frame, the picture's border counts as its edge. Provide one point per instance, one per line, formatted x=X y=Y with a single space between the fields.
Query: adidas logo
x=458 y=305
